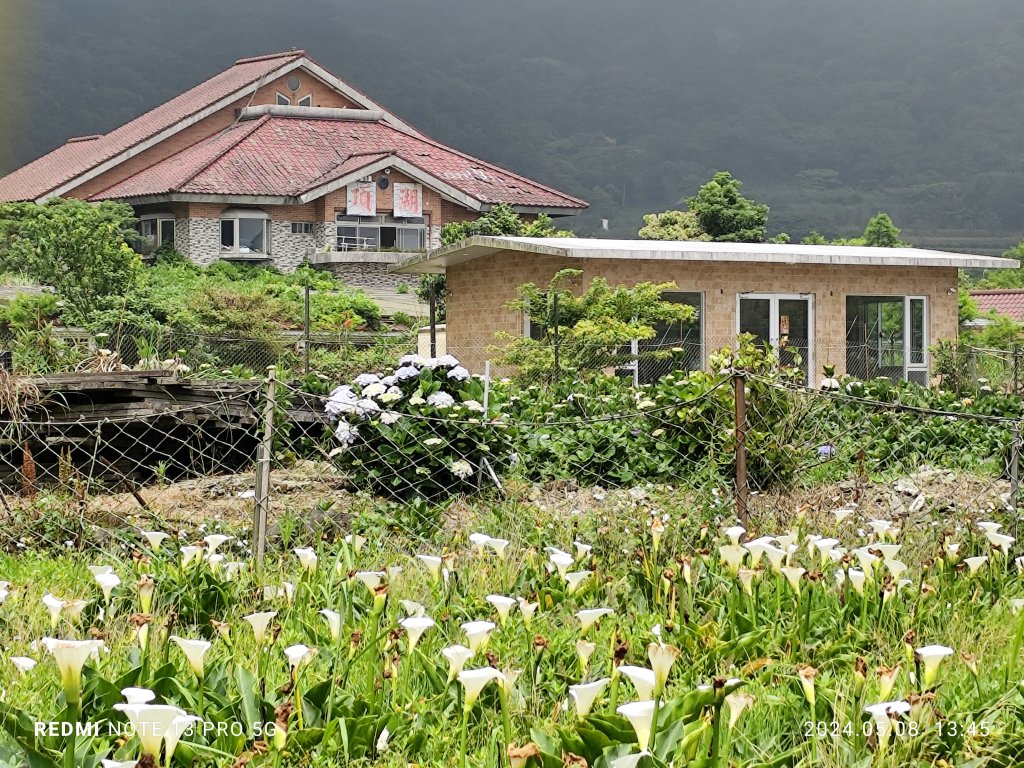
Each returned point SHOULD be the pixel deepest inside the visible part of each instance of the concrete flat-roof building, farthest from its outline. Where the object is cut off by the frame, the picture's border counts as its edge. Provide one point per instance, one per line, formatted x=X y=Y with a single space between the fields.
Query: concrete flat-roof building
x=867 y=311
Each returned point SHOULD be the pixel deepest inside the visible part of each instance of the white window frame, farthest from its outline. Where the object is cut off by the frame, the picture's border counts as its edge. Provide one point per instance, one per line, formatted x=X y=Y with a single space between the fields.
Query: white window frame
x=908 y=367
x=773 y=323
x=308 y=97
x=158 y=219
x=358 y=242
x=287 y=100
x=236 y=214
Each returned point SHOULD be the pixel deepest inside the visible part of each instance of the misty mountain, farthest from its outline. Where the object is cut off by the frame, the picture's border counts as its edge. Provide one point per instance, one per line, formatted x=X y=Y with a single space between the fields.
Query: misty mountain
x=828 y=110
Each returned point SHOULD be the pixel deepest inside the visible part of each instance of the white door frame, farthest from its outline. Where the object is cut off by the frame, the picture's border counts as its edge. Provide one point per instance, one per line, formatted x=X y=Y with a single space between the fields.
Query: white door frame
x=773 y=322
x=908 y=333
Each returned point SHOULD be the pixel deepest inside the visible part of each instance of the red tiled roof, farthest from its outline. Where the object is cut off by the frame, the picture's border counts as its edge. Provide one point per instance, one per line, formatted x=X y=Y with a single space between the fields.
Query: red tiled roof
x=1008 y=301
x=287 y=156
x=76 y=157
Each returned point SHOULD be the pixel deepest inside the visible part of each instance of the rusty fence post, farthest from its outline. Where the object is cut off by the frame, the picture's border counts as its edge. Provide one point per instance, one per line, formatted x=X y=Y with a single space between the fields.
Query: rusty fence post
x=264 y=454
x=742 y=487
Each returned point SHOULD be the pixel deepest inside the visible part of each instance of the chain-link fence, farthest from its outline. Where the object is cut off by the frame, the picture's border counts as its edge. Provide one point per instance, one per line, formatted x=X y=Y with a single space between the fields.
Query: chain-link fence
x=55 y=351
x=743 y=445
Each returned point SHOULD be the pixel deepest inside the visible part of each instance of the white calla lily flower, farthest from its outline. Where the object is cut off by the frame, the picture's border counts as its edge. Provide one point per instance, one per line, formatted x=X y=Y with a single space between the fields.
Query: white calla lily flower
x=734 y=533
x=151 y=723
x=930 y=657
x=259 y=623
x=137 y=695
x=307 y=558
x=433 y=566
x=23 y=664
x=457 y=656
x=54 y=605
x=333 y=619
x=503 y=605
x=474 y=681
x=215 y=540
x=108 y=582
x=575 y=579
x=662 y=657
x=298 y=654
x=881 y=714
x=642 y=679
x=414 y=627
x=585 y=694
x=71 y=656
x=155 y=538
x=195 y=652
x=641 y=716
x=974 y=563
x=477 y=634
x=590 y=616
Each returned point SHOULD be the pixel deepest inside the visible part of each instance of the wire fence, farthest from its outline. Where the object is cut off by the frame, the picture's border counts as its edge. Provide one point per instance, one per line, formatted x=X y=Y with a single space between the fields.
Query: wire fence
x=747 y=446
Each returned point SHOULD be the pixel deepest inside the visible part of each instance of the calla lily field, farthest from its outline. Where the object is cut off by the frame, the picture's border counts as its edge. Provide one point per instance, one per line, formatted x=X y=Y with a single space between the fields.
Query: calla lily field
x=631 y=635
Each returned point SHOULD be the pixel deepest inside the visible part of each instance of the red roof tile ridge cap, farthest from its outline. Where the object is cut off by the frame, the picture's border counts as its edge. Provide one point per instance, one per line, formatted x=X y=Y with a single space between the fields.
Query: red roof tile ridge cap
x=515 y=175
x=997 y=292
x=90 y=137
x=327 y=175
x=295 y=52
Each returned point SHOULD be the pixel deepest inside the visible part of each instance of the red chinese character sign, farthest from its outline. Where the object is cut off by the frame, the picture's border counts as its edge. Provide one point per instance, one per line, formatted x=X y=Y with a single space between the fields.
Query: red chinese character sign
x=408 y=200
x=362 y=199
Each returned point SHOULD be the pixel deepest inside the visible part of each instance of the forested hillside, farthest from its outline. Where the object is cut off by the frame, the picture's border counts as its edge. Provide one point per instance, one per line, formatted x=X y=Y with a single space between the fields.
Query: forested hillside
x=828 y=110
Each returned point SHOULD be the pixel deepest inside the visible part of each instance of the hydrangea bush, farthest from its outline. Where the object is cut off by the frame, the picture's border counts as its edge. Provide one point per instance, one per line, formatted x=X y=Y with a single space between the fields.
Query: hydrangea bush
x=420 y=431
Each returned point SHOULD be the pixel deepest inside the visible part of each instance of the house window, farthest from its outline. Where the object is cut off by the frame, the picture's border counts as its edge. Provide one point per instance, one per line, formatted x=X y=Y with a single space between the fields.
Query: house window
x=154 y=230
x=306 y=101
x=282 y=100
x=381 y=233
x=302 y=228
x=245 y=231
x=887 y=336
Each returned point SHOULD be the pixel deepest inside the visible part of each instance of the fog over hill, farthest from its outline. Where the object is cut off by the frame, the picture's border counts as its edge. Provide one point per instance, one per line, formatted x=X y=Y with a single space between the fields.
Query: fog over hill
x=828 y=110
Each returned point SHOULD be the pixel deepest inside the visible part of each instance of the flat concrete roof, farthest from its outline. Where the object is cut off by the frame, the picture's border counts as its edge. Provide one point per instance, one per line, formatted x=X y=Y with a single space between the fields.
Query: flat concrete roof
x=684 y=250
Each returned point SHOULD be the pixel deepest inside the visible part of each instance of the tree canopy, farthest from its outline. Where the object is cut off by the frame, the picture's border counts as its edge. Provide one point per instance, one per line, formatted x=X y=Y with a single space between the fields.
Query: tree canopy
x=78 y=249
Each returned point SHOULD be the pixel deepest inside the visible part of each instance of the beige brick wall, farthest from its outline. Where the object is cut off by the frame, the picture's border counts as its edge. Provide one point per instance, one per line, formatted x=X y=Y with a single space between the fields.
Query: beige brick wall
x=481 y=288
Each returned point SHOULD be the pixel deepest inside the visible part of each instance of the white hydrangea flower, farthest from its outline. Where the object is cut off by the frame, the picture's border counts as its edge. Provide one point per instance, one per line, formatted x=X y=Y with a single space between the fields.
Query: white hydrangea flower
x=366 y=379
x=461 y=469
x=346 y=433
x=458 y=373
x=474 y=405
x=406 y=372
x=366 y=407
x=390 y=417
x=441 y=400
x=375 y=389
x=413 y=360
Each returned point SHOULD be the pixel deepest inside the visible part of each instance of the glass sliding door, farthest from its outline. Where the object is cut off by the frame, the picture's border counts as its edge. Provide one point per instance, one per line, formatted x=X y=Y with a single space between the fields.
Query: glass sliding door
x=784 y=321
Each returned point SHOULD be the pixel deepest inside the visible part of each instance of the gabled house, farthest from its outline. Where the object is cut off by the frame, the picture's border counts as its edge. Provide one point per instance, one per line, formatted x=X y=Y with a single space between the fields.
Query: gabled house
x=277 y=160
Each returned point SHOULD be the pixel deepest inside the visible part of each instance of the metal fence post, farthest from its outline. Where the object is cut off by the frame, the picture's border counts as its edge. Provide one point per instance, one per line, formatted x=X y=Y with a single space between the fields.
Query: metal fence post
x=1015 y=473
x=264 y=454
x=1016 y=369
x=554 y=312
x=432 y=297
x=742 y=487
x=306 y=327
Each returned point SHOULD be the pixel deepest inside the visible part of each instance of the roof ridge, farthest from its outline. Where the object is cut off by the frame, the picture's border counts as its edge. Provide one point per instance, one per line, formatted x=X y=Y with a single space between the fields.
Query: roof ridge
x=296 y=52
x=460 y=153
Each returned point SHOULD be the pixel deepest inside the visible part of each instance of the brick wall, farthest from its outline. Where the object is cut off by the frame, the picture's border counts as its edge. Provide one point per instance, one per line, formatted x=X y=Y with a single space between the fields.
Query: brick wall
x=481 y=288
x=287 y=250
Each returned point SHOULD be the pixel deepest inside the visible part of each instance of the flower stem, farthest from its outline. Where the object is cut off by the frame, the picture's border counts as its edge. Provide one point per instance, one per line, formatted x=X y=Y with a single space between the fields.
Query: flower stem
x=463 y=736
